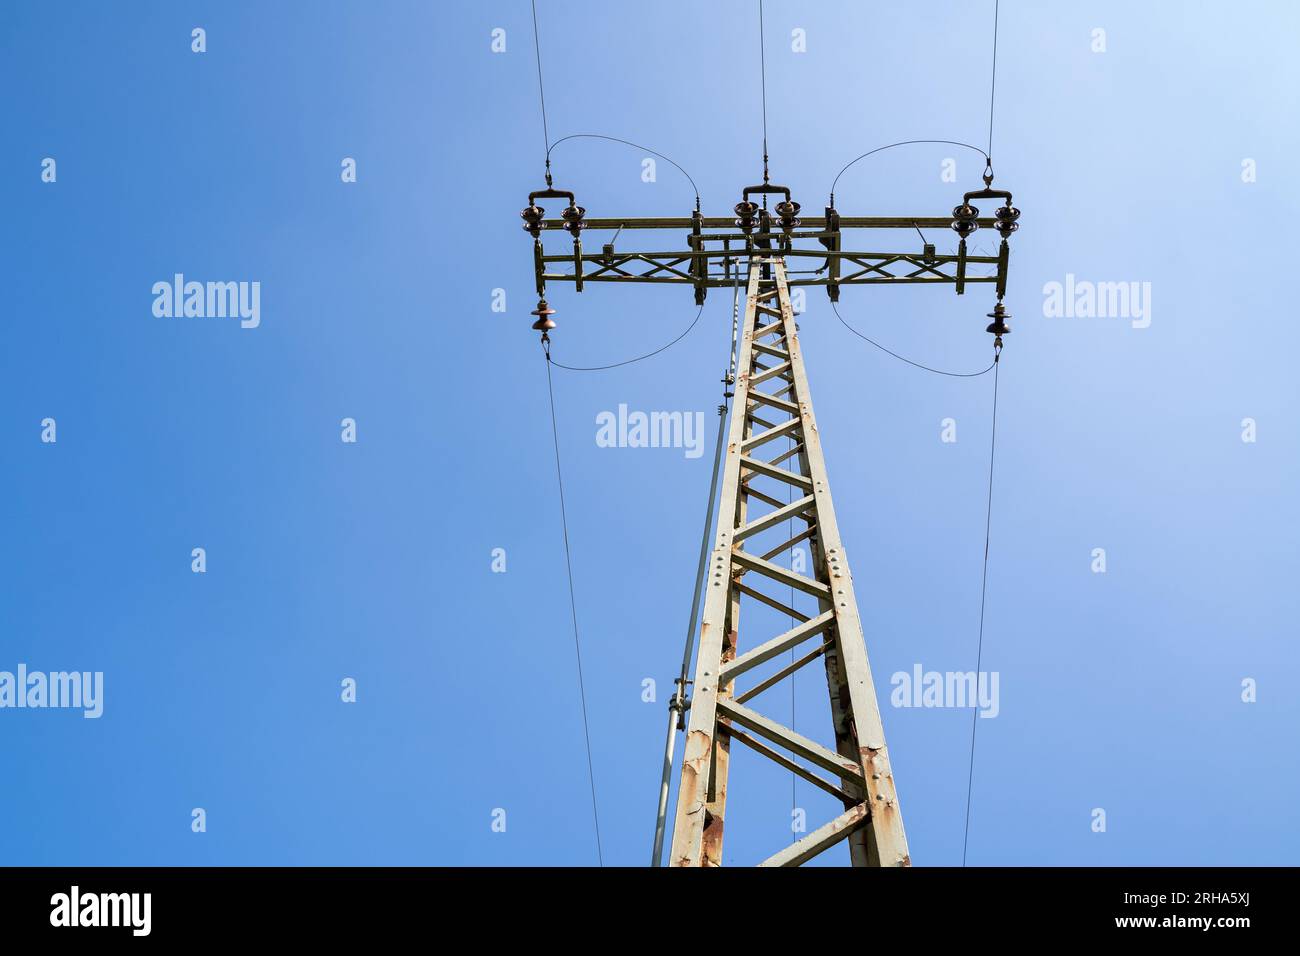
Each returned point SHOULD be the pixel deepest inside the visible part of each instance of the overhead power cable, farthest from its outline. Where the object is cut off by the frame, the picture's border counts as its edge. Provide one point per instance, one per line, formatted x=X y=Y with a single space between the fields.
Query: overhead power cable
x=902 y=358
x=615 y=139
x=906 y=142
x=541 y=91
x=639 y=358
x=988 y=518
x=993 y=81
x=762 y=59
x=559 y=477
x=573 y=608
x=984 y=580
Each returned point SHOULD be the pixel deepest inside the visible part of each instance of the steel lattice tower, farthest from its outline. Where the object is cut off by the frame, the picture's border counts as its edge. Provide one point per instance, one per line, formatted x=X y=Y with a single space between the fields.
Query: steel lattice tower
x=772 y=402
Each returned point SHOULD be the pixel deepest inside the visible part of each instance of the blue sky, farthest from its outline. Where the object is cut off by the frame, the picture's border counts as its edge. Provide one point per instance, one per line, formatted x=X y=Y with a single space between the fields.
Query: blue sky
x=373 y=559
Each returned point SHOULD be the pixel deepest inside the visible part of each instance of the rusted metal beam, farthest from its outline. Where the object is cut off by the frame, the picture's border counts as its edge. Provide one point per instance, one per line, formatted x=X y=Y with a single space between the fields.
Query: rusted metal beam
x=777 y=645
x=825 y=836
x=782 y=760
x=783 y=673
x=792 y=741
x=697 y=759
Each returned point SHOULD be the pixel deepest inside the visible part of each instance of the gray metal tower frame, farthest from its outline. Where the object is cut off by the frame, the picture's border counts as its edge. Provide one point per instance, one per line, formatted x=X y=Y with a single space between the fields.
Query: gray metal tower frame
x=772 y=401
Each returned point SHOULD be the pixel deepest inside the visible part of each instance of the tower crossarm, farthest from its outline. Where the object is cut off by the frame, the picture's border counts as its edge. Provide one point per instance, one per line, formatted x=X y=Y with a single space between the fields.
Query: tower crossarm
x=816 y=253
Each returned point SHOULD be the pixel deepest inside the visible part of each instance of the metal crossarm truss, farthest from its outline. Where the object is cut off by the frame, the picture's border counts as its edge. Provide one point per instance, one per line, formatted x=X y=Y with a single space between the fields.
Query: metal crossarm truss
x=818 y=250
x=772 y=401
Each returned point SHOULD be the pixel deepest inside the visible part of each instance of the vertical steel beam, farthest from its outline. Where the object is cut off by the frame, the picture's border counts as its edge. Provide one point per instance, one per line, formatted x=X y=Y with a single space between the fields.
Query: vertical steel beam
x=696 y=795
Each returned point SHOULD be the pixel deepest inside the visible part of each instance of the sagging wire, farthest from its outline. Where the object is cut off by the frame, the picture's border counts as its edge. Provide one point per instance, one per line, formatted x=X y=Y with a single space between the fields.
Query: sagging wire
x=631 y=361
x=615 y=139
x=903 y=358
x=541 y=91
x=559 y=477
x=993 y=81
x=984 y=580
x=762 y=59
x=573 y=608
x=988 y=162
x=988 y=519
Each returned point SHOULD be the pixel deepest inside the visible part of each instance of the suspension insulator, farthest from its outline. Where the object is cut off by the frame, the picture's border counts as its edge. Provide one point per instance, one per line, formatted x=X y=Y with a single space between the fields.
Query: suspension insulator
x=787 y=212
x=999 y=326
x=543 y=312
x=746 y=213
x=573 y=216
x=964 y=220
x=532 y=217
x=1006 y=220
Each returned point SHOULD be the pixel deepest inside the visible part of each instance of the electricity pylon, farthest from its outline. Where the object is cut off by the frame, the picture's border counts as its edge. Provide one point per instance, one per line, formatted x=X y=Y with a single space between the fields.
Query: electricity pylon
x=772 y=401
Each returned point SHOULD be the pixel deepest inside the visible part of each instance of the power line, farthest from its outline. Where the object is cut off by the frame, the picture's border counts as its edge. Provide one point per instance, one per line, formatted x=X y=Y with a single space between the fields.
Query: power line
x=615 y=139
x=541 y=92
x=559 y=478
x=573 y=607
x=902 y=358
x=906 y=142
x=988 y=517
x=984 y=580
x=993 y=81
x=640 y=358
x=762 y=59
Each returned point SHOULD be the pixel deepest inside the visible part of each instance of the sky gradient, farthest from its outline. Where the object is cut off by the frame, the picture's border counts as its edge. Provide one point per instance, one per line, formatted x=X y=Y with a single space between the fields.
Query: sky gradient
x=373 y=560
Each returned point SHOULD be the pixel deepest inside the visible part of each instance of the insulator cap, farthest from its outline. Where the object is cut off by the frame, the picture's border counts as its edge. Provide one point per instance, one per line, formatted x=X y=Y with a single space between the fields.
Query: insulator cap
x=573 y=216
x=745 y=213
x=1006 y=217
x=999 y=326
x=964 y=217
x=788 y=211
x=532 y=217
x=543 y=312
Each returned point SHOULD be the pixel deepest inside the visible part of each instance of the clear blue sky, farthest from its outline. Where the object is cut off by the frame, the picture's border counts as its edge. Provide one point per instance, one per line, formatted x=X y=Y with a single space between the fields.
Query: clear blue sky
x=373 y=560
